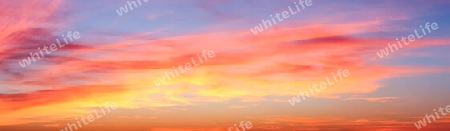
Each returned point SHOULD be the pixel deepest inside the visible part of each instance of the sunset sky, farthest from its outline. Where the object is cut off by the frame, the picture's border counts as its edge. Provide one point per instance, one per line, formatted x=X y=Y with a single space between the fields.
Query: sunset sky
x=251 y=78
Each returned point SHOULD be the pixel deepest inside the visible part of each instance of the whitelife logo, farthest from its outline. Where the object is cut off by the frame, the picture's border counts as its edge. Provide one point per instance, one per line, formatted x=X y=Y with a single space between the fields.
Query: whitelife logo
x=53 y=47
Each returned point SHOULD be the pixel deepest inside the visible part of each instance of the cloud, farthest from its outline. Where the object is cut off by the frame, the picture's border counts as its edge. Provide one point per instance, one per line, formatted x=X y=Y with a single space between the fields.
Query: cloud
x=249 y=68
x=271 y=68
x=379 y=99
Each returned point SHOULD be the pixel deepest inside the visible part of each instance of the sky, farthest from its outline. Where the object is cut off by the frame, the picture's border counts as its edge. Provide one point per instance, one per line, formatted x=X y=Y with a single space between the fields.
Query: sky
x=118 y=59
